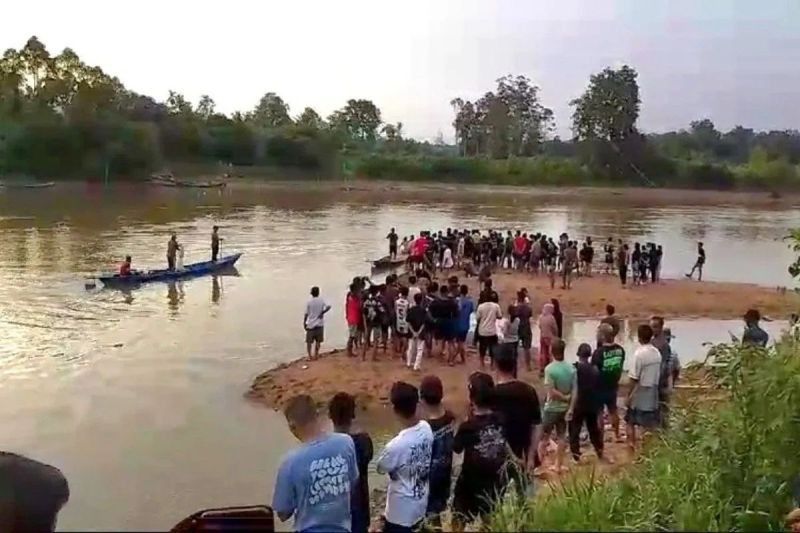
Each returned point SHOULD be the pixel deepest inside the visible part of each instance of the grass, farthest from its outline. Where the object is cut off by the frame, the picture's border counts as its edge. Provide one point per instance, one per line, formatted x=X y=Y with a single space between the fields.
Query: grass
x=727 y=467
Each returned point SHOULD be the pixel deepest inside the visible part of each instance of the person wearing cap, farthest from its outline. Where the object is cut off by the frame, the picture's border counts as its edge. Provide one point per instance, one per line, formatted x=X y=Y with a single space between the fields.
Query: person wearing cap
x=753 y=334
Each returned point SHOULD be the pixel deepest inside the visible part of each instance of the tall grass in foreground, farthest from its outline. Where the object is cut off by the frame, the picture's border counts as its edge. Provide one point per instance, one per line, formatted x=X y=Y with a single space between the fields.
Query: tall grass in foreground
x=724 y=466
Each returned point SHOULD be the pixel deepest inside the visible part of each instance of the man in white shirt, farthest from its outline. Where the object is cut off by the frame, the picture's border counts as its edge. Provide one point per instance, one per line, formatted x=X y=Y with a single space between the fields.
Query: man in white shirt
x=407 y=461
x=486 y=317
x=314 y=322
x=644 y=373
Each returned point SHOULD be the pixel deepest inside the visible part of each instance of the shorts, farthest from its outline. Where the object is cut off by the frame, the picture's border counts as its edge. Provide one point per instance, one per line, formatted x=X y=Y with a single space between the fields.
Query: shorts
x=315 y=335
x=353 y=331
x=552 y=420
x=487 y=344
x=608 y=399
x=526 y=338
x=392 y=249
x=645 y=419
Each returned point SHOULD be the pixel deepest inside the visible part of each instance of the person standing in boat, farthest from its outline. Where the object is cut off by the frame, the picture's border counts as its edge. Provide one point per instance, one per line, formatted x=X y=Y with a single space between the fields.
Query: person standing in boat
x=172 y=251
x=215 y=240
x=392 y=244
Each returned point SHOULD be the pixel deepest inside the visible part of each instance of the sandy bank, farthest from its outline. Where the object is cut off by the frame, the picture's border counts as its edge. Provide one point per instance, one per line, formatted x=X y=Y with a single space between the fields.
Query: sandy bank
x=588 y=297
x=370 y=381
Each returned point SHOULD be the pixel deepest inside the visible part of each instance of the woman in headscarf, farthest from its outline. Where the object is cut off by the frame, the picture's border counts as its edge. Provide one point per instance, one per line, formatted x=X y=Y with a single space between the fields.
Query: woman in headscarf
x=548 y=332
x=559 y=317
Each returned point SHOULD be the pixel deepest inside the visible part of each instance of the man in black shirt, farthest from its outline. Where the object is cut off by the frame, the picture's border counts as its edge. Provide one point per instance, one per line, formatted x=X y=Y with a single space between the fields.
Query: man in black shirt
x=417 y=319
x=342 y=412
x=609 y=358
x=441 y=421
x=698 y=265
x=584 y=405
x=392 y=244
x=488 y=294
x=518 y=405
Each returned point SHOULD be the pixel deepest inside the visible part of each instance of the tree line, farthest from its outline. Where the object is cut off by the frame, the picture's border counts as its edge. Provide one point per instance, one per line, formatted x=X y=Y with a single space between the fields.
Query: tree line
x=62 y=117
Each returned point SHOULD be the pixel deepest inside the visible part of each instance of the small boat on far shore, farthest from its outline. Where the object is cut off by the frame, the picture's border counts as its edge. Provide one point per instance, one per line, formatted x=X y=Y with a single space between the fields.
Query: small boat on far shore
x=27 y=185
x=170 y=181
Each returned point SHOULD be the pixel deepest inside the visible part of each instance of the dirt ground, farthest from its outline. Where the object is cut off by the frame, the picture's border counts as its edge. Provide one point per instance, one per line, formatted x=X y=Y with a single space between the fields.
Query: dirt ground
x=589 y=296
x=370 y=380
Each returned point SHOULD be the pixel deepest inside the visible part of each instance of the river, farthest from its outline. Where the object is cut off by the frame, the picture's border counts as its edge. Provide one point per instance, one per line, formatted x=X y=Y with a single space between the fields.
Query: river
x=137 y=396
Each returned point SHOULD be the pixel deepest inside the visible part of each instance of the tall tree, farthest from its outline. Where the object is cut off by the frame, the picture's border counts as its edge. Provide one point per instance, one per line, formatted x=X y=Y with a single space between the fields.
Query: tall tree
x=271 y=112
x=609 y=108
x=310 y=119
x=358 y=120
x=178 y=104
x=205 y=107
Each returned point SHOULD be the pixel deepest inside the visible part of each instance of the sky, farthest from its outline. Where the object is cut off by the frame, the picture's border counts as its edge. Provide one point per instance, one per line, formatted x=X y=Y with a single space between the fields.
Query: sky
x=733 y=61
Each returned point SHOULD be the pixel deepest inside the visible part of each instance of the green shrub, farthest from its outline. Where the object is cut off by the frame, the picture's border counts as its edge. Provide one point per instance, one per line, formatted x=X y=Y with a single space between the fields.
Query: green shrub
x=730 y=467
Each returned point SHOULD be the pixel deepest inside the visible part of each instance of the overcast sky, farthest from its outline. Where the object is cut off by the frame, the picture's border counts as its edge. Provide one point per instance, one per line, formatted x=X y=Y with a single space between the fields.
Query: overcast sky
x=734 y=61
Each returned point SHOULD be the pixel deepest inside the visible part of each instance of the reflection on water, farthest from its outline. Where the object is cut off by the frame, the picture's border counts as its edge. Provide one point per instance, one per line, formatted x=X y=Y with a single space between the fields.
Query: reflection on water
x=136 y=394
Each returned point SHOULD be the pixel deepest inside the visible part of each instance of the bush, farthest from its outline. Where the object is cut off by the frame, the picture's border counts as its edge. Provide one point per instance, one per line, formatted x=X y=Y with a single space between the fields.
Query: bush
x=727 y=468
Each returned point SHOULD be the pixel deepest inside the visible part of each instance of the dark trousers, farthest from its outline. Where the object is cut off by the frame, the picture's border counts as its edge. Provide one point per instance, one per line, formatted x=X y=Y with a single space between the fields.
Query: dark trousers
x=389 y=527
x=623 y=274
x=214 y=253
x=510 y=349
x=170 y=263
x=589 y=419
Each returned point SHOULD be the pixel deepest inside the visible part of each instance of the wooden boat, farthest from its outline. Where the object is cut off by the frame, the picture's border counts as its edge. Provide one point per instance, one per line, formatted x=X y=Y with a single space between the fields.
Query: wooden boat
x=189 y=271
x=174 y=182
x=28 y=185
x=386 y=262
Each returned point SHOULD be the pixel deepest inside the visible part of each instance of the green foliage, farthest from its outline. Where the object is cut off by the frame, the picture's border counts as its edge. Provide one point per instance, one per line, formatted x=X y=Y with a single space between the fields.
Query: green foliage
x=60 y=117
x=726 y=467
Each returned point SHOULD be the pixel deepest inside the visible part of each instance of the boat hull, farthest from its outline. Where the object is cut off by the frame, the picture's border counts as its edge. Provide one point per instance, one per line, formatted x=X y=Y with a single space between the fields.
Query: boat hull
x=189 y=271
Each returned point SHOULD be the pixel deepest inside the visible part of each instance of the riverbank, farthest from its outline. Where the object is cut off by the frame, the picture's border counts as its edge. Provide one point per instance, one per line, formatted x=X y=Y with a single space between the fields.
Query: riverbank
x=370 y=380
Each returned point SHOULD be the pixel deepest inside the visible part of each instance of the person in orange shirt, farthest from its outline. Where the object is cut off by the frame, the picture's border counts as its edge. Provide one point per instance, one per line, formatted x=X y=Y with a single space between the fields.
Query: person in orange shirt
x=125 y=267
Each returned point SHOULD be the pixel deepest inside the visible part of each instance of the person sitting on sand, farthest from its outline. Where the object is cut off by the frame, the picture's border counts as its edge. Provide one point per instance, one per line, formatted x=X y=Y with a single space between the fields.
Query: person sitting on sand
x=125 y=267
x=480 y=438
x=558 y=379
x=314 y=481
x=645 y=374
x=609 y=358
x=698 y=264
x=314 y=322
x=431 y=393
x=584 y=405
x=342 y=412
x=753 y=334
x=406 y=459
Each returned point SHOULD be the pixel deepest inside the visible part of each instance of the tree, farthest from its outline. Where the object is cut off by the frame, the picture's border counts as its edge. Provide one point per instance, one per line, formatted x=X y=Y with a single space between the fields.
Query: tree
x=36 y=66
x=358 y=120
x=178 y=105
x=310 y=119
x=393 y=132
x=528 y=120
x=205 y=107
x=609 y=108
x=604 y=121
x=271 y=112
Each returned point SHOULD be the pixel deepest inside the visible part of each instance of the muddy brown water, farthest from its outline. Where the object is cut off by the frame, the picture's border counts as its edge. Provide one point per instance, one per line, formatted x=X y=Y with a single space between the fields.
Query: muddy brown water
x=137 y=395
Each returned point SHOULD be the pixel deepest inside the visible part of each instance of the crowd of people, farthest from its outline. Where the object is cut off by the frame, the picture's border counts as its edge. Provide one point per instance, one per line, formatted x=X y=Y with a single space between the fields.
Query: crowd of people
x=478 y=252
x=505 y=436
